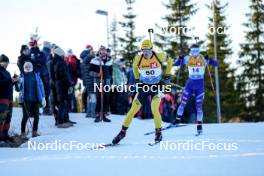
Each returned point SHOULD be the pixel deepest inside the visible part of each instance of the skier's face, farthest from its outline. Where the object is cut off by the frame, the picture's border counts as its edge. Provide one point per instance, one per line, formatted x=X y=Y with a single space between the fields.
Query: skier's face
x=195 y=51
x=147 y=53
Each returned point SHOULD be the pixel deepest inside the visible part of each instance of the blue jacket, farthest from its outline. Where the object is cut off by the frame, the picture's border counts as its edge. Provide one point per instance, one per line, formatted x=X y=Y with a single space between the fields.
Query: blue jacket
x=40 y=89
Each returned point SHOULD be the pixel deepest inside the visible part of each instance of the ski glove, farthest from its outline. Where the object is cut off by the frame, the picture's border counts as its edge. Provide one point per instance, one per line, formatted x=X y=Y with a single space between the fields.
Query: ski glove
x=43 y=103
x=167 y=80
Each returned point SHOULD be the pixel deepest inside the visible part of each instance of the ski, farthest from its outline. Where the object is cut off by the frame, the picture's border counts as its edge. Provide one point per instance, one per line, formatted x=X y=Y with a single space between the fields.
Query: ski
x=166 y=128
x=103 y=146
x=153 y=143
x=198 y=133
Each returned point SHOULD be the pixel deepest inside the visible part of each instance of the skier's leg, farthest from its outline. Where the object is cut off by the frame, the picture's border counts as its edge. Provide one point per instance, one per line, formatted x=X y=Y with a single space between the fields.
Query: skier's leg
x=134 y=109
x=157 y=117
x=136 y=105
x=155 y=111
x=199 y=107
x=185 y=97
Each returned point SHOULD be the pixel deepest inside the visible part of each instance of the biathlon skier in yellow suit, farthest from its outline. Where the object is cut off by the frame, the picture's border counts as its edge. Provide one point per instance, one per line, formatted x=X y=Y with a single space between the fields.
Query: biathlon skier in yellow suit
x=150 y=69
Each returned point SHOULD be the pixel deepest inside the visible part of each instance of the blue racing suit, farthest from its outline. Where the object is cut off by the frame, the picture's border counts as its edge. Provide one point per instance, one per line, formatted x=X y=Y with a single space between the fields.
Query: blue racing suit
x=195 y=84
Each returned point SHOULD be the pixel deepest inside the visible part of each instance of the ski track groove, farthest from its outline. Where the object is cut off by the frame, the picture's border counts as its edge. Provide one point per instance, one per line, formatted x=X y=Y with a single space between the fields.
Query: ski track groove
x=125 y=157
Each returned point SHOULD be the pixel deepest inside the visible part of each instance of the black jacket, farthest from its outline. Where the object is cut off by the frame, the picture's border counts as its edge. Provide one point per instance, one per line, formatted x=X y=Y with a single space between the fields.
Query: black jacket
x=39 y=61
x=21 y=61
x=6 y=85
x=61 y=78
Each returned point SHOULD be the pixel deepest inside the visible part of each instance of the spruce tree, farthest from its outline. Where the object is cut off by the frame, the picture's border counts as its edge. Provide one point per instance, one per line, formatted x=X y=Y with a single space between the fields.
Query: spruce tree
x=129 y=42
x=230 y=106
x=113 y=39
x=251 y=79
x=174 y=38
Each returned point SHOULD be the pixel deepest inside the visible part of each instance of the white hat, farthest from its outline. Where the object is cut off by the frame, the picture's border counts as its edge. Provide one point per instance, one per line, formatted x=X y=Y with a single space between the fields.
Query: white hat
x=58 y=51
x=29 y=66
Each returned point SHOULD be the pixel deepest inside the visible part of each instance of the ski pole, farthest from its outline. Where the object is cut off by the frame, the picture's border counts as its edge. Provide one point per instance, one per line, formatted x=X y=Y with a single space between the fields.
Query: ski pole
x=150 y=31
x=101 y=90
x=177 y=85
x=210 y=77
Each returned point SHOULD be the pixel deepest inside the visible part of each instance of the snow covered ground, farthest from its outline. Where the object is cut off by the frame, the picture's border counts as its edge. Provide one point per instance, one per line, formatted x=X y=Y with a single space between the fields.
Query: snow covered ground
x=240 y=150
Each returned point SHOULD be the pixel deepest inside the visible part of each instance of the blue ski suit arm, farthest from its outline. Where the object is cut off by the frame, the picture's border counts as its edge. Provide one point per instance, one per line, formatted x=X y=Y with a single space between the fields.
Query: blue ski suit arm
x=180 y=61
x=211 y=61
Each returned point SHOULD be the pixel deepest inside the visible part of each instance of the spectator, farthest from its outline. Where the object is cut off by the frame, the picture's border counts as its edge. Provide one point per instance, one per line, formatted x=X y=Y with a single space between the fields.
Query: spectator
x=62 y=87
x=24 y=57
x=87 y=55
x=53 y=95
x=75 y=73
x=102 y=60
x=31 y=95
x=37 y=57
x=6 y=97
x=44 y=74
x=167 y=108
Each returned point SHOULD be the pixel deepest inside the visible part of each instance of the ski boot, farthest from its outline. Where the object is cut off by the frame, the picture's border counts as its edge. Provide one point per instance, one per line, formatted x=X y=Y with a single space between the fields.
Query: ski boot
x=158 y=135
x=199 y=127
x=120 y=135
x=177 y=121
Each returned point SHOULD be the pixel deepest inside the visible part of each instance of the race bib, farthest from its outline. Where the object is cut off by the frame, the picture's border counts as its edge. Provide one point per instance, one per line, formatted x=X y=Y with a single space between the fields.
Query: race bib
x=151 y=76
x=196 y=67
x=196 y=70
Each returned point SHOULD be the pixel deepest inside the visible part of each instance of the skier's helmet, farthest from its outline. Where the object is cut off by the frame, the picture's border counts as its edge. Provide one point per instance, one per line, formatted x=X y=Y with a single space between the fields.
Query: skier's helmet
x=146 y=44
x=195 y=50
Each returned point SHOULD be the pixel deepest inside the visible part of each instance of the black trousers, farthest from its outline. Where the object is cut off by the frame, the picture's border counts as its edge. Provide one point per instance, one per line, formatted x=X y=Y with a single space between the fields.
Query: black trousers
x=30 y=108
x=105 y=102
x=62 y=115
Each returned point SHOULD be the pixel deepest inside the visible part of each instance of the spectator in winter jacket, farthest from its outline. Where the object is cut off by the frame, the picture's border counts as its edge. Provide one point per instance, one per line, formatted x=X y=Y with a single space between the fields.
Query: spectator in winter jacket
x=40 y=61
x=53 y=94
x=167 y=108
x=24 y=57
x=31 y=96
x=6 y=97
x=105 y=63
x=74 y=67
x=62 y=87
x=38 y=58
x=87 y=55
x=44 y=73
